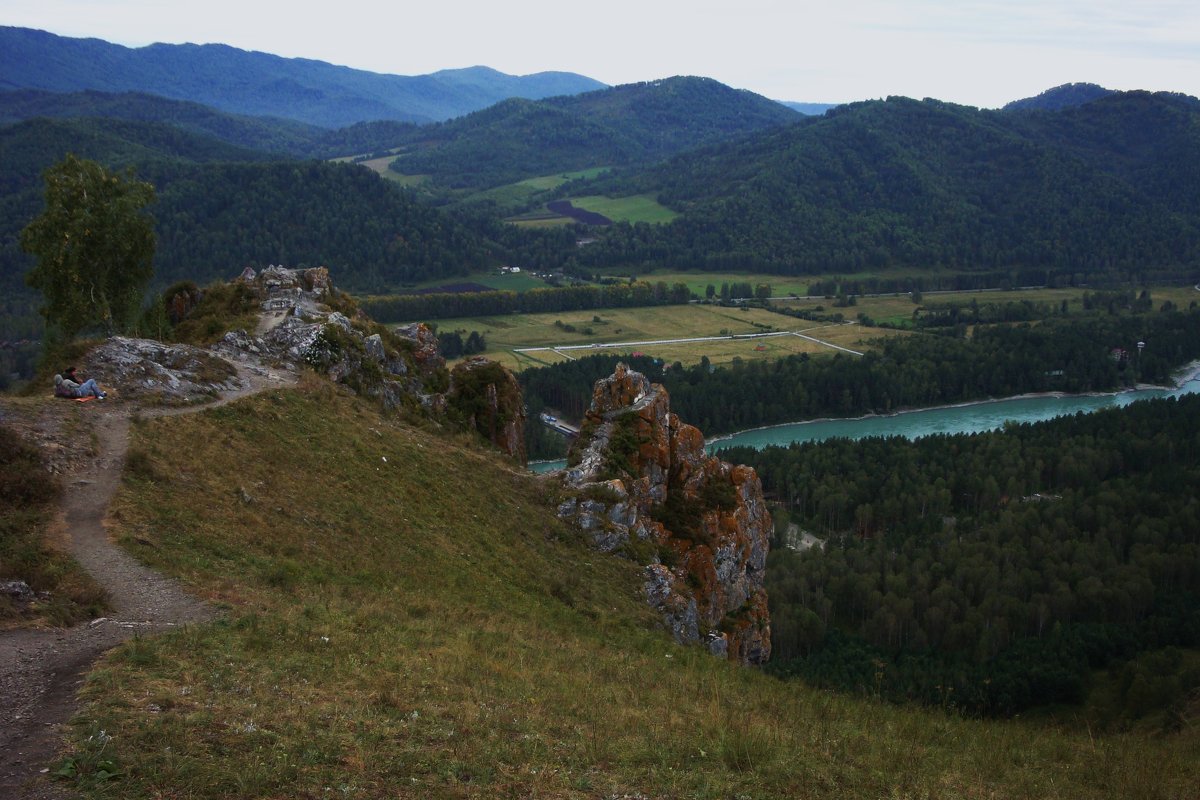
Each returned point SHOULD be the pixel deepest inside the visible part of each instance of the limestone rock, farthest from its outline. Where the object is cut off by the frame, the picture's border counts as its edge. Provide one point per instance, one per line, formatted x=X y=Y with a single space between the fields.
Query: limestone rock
x=642 y=475
x=175 y=374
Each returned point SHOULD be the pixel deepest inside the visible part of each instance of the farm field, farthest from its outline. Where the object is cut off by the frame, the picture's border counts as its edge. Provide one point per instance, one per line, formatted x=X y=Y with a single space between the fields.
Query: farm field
x=381 y=166
x=505 y=334
x=521 y=192
x=636 y=208
x=897 y=309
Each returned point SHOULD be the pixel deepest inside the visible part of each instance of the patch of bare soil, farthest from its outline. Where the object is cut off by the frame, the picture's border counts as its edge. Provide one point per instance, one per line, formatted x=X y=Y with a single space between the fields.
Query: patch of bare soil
x=41 y=670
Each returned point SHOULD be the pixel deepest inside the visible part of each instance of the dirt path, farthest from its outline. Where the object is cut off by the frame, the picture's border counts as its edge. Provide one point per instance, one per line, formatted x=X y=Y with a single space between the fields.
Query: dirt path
x=41 y=670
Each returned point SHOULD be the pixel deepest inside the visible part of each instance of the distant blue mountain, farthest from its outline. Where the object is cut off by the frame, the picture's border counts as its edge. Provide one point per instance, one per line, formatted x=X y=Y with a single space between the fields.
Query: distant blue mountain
x=809 y=109
x=261 y=84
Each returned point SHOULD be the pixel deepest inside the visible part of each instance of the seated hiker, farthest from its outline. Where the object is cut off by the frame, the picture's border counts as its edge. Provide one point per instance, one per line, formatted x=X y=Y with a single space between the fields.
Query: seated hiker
x=69 y=385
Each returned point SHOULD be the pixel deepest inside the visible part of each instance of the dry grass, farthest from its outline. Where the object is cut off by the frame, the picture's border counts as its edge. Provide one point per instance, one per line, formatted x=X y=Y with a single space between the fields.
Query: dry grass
x=406 y=618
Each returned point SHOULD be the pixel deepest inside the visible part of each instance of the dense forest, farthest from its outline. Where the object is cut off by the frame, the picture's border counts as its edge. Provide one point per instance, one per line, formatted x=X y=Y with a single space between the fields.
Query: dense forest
x=1071 y=354
x=637 y=123
x=221 y=207
x=991 y=572
x=1109 y=185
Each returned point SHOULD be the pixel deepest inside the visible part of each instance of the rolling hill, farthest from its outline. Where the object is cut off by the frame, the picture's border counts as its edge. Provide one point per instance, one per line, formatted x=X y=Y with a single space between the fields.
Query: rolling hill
x=261 y=84
x=1109 y=185
x=632 y=124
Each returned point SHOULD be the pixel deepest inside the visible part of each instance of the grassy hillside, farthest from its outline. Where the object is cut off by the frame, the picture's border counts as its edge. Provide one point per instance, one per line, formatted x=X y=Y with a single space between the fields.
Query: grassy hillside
x=405 y=618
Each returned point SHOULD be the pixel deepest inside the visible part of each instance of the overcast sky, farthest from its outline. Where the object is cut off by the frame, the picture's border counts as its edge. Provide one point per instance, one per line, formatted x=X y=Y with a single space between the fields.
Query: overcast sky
x=977 y=52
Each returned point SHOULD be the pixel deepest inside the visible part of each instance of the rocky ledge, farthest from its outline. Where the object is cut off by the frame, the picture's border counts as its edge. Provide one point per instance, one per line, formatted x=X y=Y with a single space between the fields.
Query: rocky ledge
x=642 y=484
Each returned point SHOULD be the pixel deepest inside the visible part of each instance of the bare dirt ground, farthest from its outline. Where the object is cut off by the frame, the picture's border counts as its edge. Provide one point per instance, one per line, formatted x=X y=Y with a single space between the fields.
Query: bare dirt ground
x=41 y=670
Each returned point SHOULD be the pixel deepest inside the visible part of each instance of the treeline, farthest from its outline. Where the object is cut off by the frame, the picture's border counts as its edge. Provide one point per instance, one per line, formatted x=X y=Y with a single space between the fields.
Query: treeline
x=991 y=571
x=1073 y=354
x=983 y=280
x=452 y=344
x=402 y=308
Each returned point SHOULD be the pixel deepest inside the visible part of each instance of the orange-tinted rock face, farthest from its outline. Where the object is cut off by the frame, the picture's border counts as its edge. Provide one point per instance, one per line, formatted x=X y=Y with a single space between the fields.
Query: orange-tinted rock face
x=709 y=516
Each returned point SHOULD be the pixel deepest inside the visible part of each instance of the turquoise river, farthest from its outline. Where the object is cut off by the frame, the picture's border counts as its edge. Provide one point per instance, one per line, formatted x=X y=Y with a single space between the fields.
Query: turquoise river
x=968 y=418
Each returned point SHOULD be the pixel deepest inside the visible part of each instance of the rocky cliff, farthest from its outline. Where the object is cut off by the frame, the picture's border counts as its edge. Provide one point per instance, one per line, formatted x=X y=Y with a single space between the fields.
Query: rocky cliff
x=642 y=483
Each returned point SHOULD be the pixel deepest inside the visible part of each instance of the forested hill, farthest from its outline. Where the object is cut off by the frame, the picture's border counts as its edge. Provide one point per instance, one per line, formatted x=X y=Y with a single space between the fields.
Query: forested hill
x=1107 y=185
x=630 y=124
x=267 y=134
x=261 y=84
x=275 y=135
x=220 y=207
x=1060 y=97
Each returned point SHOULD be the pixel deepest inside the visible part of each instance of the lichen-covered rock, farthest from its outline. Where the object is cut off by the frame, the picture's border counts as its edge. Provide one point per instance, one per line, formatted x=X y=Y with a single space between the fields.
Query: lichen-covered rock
x=488 y=398
x=177 y=374
x=404 y=369
x=641 y=474
x=425 y=346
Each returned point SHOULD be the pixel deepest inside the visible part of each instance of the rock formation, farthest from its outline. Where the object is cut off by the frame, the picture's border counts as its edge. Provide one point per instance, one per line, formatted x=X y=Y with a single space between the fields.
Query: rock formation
x=488 y=398
x=165 y=374
x=401 y=366
x=643 y=484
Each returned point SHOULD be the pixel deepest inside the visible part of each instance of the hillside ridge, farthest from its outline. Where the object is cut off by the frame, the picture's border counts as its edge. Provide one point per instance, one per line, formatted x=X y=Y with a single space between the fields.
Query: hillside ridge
x=260 y=84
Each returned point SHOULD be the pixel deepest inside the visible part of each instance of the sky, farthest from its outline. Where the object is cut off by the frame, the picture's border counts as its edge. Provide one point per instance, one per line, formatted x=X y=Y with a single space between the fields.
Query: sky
x=975 y=52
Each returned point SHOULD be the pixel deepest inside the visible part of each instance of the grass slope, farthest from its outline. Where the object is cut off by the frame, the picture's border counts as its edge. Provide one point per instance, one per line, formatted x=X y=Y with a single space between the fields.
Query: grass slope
x=407 y=619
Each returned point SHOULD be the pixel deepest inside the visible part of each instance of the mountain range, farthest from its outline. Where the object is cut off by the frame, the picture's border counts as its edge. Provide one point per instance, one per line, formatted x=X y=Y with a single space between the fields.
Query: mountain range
x=1078 y=180
x=261 y=84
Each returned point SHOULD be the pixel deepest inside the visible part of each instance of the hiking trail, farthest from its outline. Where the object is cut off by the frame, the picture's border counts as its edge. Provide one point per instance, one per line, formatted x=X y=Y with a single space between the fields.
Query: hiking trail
x=41 y=670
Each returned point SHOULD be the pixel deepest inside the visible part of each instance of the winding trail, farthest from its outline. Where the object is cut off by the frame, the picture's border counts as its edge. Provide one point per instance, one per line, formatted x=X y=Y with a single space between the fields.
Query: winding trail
x=41 y=670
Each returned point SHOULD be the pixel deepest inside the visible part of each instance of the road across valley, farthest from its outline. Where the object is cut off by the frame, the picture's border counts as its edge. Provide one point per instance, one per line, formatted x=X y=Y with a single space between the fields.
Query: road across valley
x=563 y=350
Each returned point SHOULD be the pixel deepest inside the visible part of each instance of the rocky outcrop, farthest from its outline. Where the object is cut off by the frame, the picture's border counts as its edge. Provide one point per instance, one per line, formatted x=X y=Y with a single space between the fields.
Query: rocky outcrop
x=163 y=374
x=401 y=367
x=643 y=484
x=488 y=398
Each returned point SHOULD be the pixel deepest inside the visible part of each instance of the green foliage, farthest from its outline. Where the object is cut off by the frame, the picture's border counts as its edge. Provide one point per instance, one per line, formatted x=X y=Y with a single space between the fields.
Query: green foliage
x=205 y=316
x=94 y=246
x=621 y=455
x=1106 y=187
x=1072 y=354
x=634 y=123
x=1006 y=565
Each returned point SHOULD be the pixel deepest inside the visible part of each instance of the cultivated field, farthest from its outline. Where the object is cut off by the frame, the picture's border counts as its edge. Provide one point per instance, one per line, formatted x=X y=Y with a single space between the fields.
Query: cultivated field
x=521 y=192
x=636 y=208
x=506 y=334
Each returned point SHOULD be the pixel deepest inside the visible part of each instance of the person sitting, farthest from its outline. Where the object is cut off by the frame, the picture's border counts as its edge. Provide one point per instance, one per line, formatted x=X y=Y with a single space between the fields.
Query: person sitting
x=69 y=385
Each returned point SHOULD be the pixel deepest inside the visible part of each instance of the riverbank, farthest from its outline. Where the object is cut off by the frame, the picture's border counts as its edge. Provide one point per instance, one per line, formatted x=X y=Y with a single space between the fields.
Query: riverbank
x=1029 y=407
x=1184 y=375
